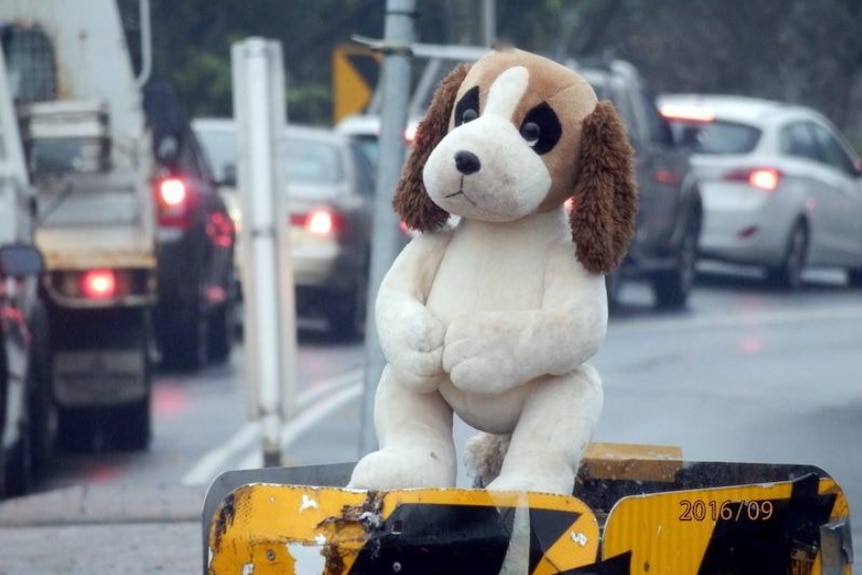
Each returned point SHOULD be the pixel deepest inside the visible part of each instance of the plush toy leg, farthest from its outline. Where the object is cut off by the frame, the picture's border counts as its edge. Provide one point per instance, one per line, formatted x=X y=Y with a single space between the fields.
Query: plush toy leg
x=415 y=434
x=552 y=434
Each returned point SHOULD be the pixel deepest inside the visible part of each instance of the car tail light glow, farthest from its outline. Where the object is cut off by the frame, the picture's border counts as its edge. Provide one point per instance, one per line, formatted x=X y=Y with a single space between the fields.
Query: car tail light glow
x=766 y=179
x=99 y=284
x=410 y=134
x=220 y=230
x=319 y=222
x=173 y=199
x=669 y=177
x=689 y=113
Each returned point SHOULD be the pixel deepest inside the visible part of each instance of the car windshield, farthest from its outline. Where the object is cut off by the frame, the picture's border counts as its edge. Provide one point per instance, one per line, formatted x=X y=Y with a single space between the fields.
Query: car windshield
x=715 y=137
x=307 y=161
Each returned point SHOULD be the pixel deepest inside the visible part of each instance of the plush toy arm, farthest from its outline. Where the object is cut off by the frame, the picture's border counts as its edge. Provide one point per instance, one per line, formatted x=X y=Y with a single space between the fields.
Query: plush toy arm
x=410 y=336
x=491 y=352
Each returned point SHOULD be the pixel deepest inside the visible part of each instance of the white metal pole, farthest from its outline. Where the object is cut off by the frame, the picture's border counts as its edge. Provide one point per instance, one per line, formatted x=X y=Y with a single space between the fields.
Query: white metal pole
x=259 y=114
x=398 y=38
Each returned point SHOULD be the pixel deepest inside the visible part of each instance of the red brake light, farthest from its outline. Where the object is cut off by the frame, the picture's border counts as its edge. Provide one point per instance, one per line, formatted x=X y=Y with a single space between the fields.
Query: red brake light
x=766 y=179
x=173 y=201
x=172 y=191
x=319 y=222
x=99 y=284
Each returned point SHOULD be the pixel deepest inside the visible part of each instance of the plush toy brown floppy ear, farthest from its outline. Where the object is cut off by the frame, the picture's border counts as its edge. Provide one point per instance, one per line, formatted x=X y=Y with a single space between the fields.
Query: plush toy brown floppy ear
x=411 y=200
x=605 y=196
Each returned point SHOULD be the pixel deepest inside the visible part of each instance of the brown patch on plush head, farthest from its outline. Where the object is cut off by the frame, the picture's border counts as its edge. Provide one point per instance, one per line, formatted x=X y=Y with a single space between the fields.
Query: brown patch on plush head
x=605 y=197
x=410 y=200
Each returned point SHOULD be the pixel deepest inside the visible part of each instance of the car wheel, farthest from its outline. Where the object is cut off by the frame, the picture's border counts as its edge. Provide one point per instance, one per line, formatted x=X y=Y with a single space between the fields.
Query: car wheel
x=221 y=327
x=614 y=287
x=185 y=342
x=789 y=274
x=346 y=315
x=671 y=288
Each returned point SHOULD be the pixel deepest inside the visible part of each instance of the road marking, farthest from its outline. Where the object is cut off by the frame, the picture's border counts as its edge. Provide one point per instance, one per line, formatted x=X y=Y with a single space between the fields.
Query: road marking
x=306 y=419
x=735 y=320
x=218 y=459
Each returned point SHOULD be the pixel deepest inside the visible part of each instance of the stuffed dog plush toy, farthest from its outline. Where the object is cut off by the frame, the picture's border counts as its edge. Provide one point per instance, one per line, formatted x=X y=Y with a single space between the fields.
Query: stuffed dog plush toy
x=493 y=318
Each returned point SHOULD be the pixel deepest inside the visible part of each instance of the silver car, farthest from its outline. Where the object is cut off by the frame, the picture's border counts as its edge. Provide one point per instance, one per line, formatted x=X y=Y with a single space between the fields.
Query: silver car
x=330 y=187
x=781 y=188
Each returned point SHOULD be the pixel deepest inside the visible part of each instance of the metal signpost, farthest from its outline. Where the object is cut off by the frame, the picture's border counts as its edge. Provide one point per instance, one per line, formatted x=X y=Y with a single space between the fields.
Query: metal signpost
x=259 y=110
x=398 y=37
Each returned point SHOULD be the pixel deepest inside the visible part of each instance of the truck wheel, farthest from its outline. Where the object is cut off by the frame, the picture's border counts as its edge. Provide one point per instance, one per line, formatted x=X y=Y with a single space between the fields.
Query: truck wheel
x=75 y=429
x=131 y=425
x=43 y=409
x=19 y=468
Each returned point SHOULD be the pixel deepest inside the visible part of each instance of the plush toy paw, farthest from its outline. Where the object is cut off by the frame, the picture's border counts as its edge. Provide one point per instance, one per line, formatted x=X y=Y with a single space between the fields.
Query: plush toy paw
x=403 y=468
x=481 y=354
x=417 y=360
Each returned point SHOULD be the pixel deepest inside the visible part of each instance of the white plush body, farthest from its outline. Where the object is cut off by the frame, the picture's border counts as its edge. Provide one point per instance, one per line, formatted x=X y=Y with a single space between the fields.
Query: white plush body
x=494 y=322
x=495 y=318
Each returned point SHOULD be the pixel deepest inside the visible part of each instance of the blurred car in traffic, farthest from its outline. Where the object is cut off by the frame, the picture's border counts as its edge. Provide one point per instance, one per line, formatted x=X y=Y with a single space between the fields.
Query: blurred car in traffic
x=28 y=414
x=782 y=189
x=194 y=318
x=330 y=188
x=663 y=251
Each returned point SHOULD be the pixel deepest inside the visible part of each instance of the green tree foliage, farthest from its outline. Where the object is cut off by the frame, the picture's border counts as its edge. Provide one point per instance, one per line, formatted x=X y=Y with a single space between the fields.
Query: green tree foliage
x=806 y=51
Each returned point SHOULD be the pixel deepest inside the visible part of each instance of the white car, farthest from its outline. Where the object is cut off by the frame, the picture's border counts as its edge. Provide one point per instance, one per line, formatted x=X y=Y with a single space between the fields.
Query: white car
x=781 y=188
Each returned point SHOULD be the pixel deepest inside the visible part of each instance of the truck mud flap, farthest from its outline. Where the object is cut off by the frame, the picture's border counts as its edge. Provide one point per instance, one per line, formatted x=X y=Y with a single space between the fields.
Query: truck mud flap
x=627 y=516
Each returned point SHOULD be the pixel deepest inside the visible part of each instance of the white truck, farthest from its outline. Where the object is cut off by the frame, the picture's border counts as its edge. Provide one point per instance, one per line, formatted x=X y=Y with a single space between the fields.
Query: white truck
x=89 y=155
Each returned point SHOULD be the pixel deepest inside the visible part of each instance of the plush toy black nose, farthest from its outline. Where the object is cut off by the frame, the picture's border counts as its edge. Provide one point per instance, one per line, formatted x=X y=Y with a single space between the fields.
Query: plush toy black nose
x=467 y=162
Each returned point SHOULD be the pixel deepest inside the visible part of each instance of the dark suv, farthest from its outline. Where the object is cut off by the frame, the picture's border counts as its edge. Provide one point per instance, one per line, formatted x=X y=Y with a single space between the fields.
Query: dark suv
x=664 y=249
x=193 y=319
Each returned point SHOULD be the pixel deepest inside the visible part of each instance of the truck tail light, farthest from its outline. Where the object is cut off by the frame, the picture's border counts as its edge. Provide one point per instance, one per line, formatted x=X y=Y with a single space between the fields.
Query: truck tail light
x=174 y=203
x=99 y=284
x=318 y=222
x=766 y=179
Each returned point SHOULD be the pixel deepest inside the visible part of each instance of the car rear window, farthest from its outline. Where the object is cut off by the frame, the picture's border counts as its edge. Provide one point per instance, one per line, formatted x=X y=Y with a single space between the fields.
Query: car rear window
x=308 y=161
x=313 y=162
x=715 y=137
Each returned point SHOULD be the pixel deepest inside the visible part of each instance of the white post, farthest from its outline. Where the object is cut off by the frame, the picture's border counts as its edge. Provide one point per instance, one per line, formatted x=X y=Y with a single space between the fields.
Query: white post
x=259 y=111
x=396 y=96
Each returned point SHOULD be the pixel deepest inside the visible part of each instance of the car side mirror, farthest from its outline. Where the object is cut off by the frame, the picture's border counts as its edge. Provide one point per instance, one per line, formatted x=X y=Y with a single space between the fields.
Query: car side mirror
x=19 y=259
x=228 y=175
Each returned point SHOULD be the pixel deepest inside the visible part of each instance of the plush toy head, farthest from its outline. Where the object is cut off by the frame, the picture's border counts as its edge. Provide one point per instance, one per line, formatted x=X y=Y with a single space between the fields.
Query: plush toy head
x=531 y=134
x=493 y=319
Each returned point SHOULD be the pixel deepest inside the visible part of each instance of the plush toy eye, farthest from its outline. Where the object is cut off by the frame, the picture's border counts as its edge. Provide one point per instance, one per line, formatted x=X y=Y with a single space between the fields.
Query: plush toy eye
x=530 y=132
x=541 y=128
x=467 y=108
